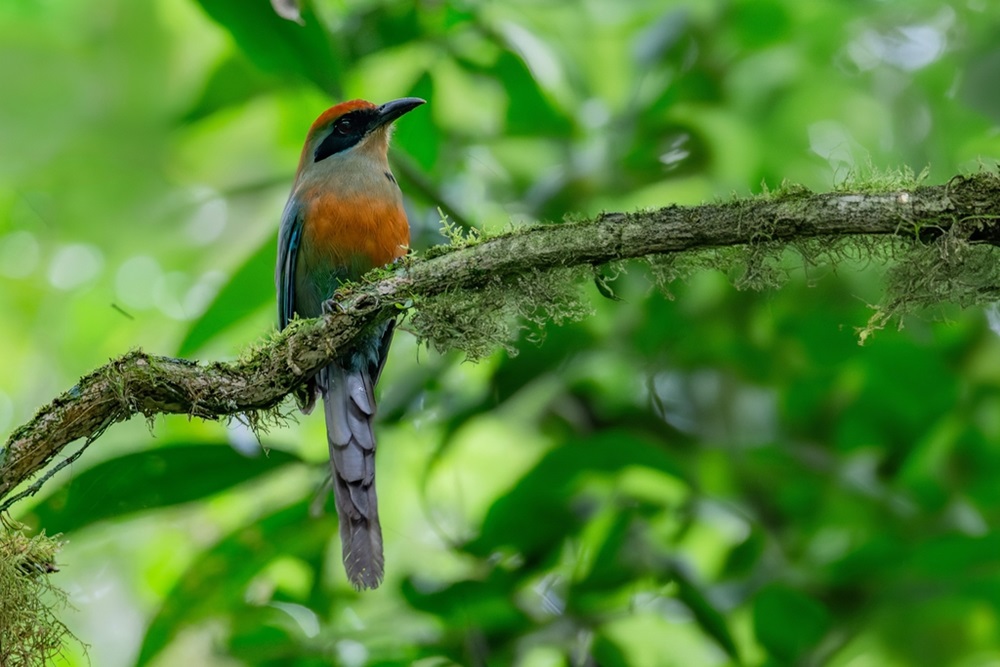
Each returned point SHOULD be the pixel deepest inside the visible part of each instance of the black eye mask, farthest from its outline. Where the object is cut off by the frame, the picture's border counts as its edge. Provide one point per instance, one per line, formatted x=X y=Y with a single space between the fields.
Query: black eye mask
x=345 y=132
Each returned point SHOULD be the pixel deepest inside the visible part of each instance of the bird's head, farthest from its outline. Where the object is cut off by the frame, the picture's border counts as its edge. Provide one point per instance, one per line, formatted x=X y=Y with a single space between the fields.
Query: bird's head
x=350 y=127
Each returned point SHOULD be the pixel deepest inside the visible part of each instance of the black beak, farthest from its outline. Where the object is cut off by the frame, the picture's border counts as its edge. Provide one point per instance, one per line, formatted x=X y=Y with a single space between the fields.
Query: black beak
x=390 y=111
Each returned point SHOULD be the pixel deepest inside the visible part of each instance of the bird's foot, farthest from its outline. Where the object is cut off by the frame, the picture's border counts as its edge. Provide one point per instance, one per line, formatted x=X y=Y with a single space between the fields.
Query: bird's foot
x=332 y=306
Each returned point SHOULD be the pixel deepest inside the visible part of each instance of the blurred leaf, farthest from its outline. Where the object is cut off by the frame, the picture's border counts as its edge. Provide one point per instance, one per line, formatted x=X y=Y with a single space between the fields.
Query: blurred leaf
x=955 y=557
x=386 y=25
x=259 y=636
x=660 y=150
x=537 y=514
x=419 y=136
x=250 y=288
x=712 y=622
x=289 y=10
x=744 y=556
x=899 y=401
x=529 y=111
x=233 y=81
x=607 y=653
x=534 y=359
x=975 y=86
x=140 y=481
x=270 y=636
x=787 y=623
x=217 y=580
x=486 y=605
x=653 y=43
x=779 y=480
x=278 y=46
x=872 y=563
x=759 y=23
x=614 y=562
x=614 y=555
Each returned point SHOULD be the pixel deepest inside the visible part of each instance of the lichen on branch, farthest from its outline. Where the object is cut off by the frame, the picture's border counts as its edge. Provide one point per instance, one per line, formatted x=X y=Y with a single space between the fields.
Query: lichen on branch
x=941 y=239
x=30 y=630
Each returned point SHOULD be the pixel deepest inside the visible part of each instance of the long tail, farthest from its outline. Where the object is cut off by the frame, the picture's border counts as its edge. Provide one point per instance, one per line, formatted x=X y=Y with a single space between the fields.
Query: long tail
x=349 y=400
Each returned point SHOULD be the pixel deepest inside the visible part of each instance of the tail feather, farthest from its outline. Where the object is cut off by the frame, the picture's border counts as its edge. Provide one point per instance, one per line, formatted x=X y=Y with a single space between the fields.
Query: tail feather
x=349 y=402
x=359 y=388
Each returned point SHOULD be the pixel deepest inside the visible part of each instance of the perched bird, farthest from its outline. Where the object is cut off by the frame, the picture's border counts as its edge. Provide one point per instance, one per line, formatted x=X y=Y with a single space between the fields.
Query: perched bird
x=344 y=217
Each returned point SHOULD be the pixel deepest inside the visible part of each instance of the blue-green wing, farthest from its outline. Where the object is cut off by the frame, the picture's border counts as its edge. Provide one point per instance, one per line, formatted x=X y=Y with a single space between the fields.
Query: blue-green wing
x=289 y=242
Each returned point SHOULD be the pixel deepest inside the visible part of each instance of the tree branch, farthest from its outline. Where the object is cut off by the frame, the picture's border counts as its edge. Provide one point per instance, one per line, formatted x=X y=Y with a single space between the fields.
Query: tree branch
x=137 y=383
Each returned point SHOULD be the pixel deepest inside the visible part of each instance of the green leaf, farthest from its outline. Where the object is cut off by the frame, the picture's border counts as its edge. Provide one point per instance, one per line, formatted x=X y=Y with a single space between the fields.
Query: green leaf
x=232 y=82
x=388 y=25
x=485 y=605
x=249 y=289
x=602 y=281
x=744 y=556
x=147 y=480
x=788 y=623
x=278 y=46
x=217 y=580
x=418 y=136
x=712 y=622
x=288 y=10
x=761 y=22
x=529 y=111
x=616 y=536
x=533 y=361
x=536 y=515
x=607 y=653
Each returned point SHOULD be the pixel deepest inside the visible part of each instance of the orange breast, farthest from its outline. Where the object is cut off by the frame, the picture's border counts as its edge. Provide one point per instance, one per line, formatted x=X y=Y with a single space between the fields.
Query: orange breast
x=355 y=231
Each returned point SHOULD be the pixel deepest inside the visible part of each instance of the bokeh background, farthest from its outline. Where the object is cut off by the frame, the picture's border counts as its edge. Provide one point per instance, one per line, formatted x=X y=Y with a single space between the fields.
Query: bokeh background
x=697 y=476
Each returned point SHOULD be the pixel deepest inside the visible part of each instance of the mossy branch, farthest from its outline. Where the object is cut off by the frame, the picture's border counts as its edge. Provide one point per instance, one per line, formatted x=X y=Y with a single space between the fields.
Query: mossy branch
x=939 y=223
x=30 y=631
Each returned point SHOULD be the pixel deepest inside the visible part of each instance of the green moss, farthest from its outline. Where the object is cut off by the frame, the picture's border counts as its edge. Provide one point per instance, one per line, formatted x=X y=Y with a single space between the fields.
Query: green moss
x=949 y=269
x=457 y=236
x=928 y=269
x=760 y=266
x=869 y=179
x=481 y=321
x=30 y=630
x=787 y=190
x=254 y=357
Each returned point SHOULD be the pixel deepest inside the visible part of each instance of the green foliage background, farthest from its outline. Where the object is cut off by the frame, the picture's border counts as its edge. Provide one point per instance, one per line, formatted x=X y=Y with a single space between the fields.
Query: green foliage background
x=713 y=478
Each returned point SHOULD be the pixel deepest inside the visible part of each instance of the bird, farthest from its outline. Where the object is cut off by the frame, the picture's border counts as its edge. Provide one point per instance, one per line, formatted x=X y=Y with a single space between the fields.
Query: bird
x=344 y=217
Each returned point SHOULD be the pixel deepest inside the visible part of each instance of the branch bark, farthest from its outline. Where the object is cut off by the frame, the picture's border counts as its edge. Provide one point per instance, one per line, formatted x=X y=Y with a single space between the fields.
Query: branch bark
x=137 y=383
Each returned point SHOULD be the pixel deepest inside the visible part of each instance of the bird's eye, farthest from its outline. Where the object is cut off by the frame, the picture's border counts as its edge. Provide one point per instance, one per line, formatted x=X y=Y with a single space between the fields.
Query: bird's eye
x=343 y=126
